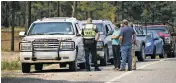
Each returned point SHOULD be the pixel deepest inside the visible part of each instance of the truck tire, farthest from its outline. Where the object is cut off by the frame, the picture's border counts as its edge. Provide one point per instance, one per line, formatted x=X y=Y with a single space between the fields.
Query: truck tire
x=141 y=54
x=26 y=67
x=82 y=66
x=103 y=62
x=162 y=54
x=73 y=65
x=62 y=65
x=153 y=56
x=38 y=66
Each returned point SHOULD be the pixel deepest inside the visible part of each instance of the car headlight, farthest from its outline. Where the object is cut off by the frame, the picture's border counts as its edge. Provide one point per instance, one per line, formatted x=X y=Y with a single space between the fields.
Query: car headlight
x=167 y=40
x=25 y=46
x=148 y=43
x=67 y=45
x=100 y=44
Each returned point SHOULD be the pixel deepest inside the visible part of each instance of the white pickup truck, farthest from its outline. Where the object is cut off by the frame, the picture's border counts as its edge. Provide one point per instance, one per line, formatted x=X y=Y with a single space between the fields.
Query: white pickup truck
x=52 y=40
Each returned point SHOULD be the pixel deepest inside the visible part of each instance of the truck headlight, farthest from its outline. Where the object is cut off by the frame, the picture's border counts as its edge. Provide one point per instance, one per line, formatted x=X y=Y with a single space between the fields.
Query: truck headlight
x=148 y=43
x=25 y=46
x=100 y=44
x=167 y=40
x=67 y=45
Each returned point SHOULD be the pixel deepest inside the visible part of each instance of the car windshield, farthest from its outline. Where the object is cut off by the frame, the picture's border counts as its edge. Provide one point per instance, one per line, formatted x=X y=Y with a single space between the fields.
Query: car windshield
x=51 y=28
x=99 y=26
x=158 y=29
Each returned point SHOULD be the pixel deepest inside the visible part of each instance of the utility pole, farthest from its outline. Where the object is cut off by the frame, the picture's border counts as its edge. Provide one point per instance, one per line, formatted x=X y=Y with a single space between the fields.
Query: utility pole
x=13 y=20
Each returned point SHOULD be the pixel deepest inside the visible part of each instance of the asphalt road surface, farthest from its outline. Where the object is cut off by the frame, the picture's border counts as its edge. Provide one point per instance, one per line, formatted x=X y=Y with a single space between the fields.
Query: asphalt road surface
x=150 y=71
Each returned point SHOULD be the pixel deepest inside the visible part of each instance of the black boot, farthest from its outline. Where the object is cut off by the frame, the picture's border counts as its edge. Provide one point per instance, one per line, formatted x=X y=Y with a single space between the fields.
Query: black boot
x=97 y=69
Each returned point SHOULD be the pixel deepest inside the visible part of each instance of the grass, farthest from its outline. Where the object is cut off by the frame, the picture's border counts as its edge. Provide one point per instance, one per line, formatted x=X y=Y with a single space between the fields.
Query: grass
x=10 y=65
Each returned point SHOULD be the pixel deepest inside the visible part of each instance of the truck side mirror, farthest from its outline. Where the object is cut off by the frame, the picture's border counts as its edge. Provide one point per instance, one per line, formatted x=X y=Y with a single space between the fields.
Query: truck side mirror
x=22 y=34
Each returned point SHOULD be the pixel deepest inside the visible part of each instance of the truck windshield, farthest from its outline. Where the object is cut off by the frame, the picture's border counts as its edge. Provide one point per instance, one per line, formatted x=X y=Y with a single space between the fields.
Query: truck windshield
x=158 y=29
x=51 y=28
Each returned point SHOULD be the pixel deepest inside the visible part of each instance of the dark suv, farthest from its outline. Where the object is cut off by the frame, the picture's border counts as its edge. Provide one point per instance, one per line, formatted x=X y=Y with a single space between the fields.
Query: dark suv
x=166 y=33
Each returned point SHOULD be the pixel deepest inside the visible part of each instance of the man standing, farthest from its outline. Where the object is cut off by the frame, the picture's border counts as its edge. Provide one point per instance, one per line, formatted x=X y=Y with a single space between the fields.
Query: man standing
x=133 y=51
x=90 y=43
x=127 y=36
x=116 y=46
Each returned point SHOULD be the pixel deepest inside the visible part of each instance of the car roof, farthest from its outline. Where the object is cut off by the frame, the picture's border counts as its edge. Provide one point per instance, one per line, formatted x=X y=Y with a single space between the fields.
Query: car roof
x=149 y=26
x=95 y=21
x=57 y=19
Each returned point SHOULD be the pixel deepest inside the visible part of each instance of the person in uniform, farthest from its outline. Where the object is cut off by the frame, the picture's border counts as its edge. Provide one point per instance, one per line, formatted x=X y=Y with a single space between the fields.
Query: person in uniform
x=116 y=46
x=89 y=33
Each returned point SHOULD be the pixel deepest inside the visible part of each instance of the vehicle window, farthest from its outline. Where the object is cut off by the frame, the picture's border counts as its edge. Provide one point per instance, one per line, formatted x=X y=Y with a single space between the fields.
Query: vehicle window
x=155 y=35
x=110 y=28
x=77 y=26
x=99 y=26
x=149 y=36
x=107 y=29
x=158 y=29
x=51 y=28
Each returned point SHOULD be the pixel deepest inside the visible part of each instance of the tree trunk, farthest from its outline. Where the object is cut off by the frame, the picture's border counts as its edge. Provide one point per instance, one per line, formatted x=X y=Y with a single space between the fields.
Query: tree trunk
x=6 y=15
x=122 y=10
x=115 y=18
x=13 y=22
x=58 y=9
x=74 y=9
x=28 y=15
x=48 y=8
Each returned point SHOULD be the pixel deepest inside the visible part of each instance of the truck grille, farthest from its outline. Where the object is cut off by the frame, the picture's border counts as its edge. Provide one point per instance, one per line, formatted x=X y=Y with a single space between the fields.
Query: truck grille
x=45 y=44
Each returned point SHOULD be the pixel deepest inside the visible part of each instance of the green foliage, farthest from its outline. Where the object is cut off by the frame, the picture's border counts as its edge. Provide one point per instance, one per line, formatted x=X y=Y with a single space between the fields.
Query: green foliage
x=132 y=10
x=10 y=65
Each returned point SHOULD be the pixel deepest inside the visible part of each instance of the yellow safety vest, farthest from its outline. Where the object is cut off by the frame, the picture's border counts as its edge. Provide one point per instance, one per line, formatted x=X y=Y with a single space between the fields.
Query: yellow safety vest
x=89 y=31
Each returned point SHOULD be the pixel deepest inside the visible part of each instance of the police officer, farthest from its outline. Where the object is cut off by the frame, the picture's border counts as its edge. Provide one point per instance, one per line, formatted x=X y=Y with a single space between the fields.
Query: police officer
x=90 y=43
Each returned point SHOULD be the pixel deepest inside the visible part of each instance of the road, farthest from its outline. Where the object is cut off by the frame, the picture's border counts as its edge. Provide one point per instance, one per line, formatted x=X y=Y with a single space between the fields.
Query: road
x=150 y=71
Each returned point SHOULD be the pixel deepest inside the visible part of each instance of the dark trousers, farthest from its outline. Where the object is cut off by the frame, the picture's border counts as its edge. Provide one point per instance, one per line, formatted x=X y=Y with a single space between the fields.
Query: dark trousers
x=90 y=47
x=116 y=53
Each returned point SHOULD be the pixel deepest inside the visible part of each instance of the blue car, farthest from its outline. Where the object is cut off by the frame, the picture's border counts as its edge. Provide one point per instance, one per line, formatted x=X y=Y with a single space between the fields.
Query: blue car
x=153 y=45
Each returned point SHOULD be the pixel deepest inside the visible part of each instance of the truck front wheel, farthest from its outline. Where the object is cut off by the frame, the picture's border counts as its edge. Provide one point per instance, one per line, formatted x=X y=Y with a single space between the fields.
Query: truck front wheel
x=26 y=67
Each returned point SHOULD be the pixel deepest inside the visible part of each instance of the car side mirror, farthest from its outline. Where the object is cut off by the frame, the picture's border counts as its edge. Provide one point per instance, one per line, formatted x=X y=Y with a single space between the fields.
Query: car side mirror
x=22 y=34
x=110 y=32
x=173 y=34
x=156 y=38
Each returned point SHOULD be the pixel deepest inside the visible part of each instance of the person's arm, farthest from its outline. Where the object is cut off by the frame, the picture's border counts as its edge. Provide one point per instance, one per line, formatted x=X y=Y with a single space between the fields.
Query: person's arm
x=134 y=38
x=115 y=37
x=121 y=36
x=120 y=40
x=98 y=33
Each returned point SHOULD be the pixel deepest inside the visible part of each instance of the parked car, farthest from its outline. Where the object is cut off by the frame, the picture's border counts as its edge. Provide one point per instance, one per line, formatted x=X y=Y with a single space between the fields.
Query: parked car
x=104 y=45
x=166 y=34
x=52 y=40
x=154 y=45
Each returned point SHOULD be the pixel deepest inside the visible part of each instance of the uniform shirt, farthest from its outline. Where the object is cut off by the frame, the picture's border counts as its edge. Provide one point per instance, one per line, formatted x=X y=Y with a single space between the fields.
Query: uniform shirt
x=96 y=30
x=126 y=32
x=115 y=41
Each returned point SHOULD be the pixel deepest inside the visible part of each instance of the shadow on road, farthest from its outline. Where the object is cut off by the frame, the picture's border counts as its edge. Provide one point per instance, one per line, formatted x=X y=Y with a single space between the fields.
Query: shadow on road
x=35 y=80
